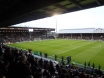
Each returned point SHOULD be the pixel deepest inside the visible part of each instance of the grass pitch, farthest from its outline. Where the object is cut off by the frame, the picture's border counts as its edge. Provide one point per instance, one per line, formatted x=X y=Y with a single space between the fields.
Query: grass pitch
x=80 y=50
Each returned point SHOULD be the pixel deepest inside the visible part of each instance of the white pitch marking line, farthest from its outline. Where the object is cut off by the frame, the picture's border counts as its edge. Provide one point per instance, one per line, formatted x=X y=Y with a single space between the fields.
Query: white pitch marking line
x=97 y=46
x=72 y=49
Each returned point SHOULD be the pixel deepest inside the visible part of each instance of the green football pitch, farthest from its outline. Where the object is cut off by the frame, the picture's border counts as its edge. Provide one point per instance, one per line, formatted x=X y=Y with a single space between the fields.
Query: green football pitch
x=80 y=50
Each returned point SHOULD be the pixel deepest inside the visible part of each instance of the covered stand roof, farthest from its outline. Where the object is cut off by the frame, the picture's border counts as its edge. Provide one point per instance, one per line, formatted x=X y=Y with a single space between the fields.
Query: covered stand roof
x=19 y=11
x=82 y=30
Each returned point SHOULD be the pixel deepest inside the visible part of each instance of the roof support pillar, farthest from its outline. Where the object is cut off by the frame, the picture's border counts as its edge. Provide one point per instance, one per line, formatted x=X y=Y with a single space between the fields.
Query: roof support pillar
x=46 y=33
x=92 y=36
x=71 y=36
x=30 y=35
x=81 y=36
x=63 y=35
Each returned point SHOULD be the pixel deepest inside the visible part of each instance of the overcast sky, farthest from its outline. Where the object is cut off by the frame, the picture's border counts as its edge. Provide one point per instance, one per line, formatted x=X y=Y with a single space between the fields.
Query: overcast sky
x=89 y=18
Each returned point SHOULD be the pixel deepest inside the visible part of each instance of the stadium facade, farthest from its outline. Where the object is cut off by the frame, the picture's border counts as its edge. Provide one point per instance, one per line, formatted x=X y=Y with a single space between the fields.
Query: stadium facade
x=82 y=33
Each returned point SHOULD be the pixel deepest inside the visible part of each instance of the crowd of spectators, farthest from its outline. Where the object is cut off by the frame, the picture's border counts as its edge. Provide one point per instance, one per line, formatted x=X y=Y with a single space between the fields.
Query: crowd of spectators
x=84 y=37
x=13 y=37
x=17 y=63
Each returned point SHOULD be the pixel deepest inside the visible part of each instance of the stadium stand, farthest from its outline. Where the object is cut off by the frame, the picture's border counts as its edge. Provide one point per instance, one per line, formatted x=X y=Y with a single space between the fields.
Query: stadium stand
x=11 y=35
x=84 y=33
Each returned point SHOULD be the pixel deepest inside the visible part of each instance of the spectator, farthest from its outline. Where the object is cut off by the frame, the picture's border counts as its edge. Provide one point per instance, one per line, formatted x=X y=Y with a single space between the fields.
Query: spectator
x=82 y=75
x=41 y=54
x=41 y=62
x=46 y=73
x=55 y=57
x=25 y=70
x=5 y=69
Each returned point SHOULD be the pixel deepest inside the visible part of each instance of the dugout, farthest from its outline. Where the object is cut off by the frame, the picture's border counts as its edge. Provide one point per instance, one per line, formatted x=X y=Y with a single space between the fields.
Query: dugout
x=83 y=33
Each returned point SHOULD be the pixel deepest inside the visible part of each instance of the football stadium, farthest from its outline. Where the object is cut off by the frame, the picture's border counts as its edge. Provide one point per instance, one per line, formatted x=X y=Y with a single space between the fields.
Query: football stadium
x=83 y=45
x=36 y=44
